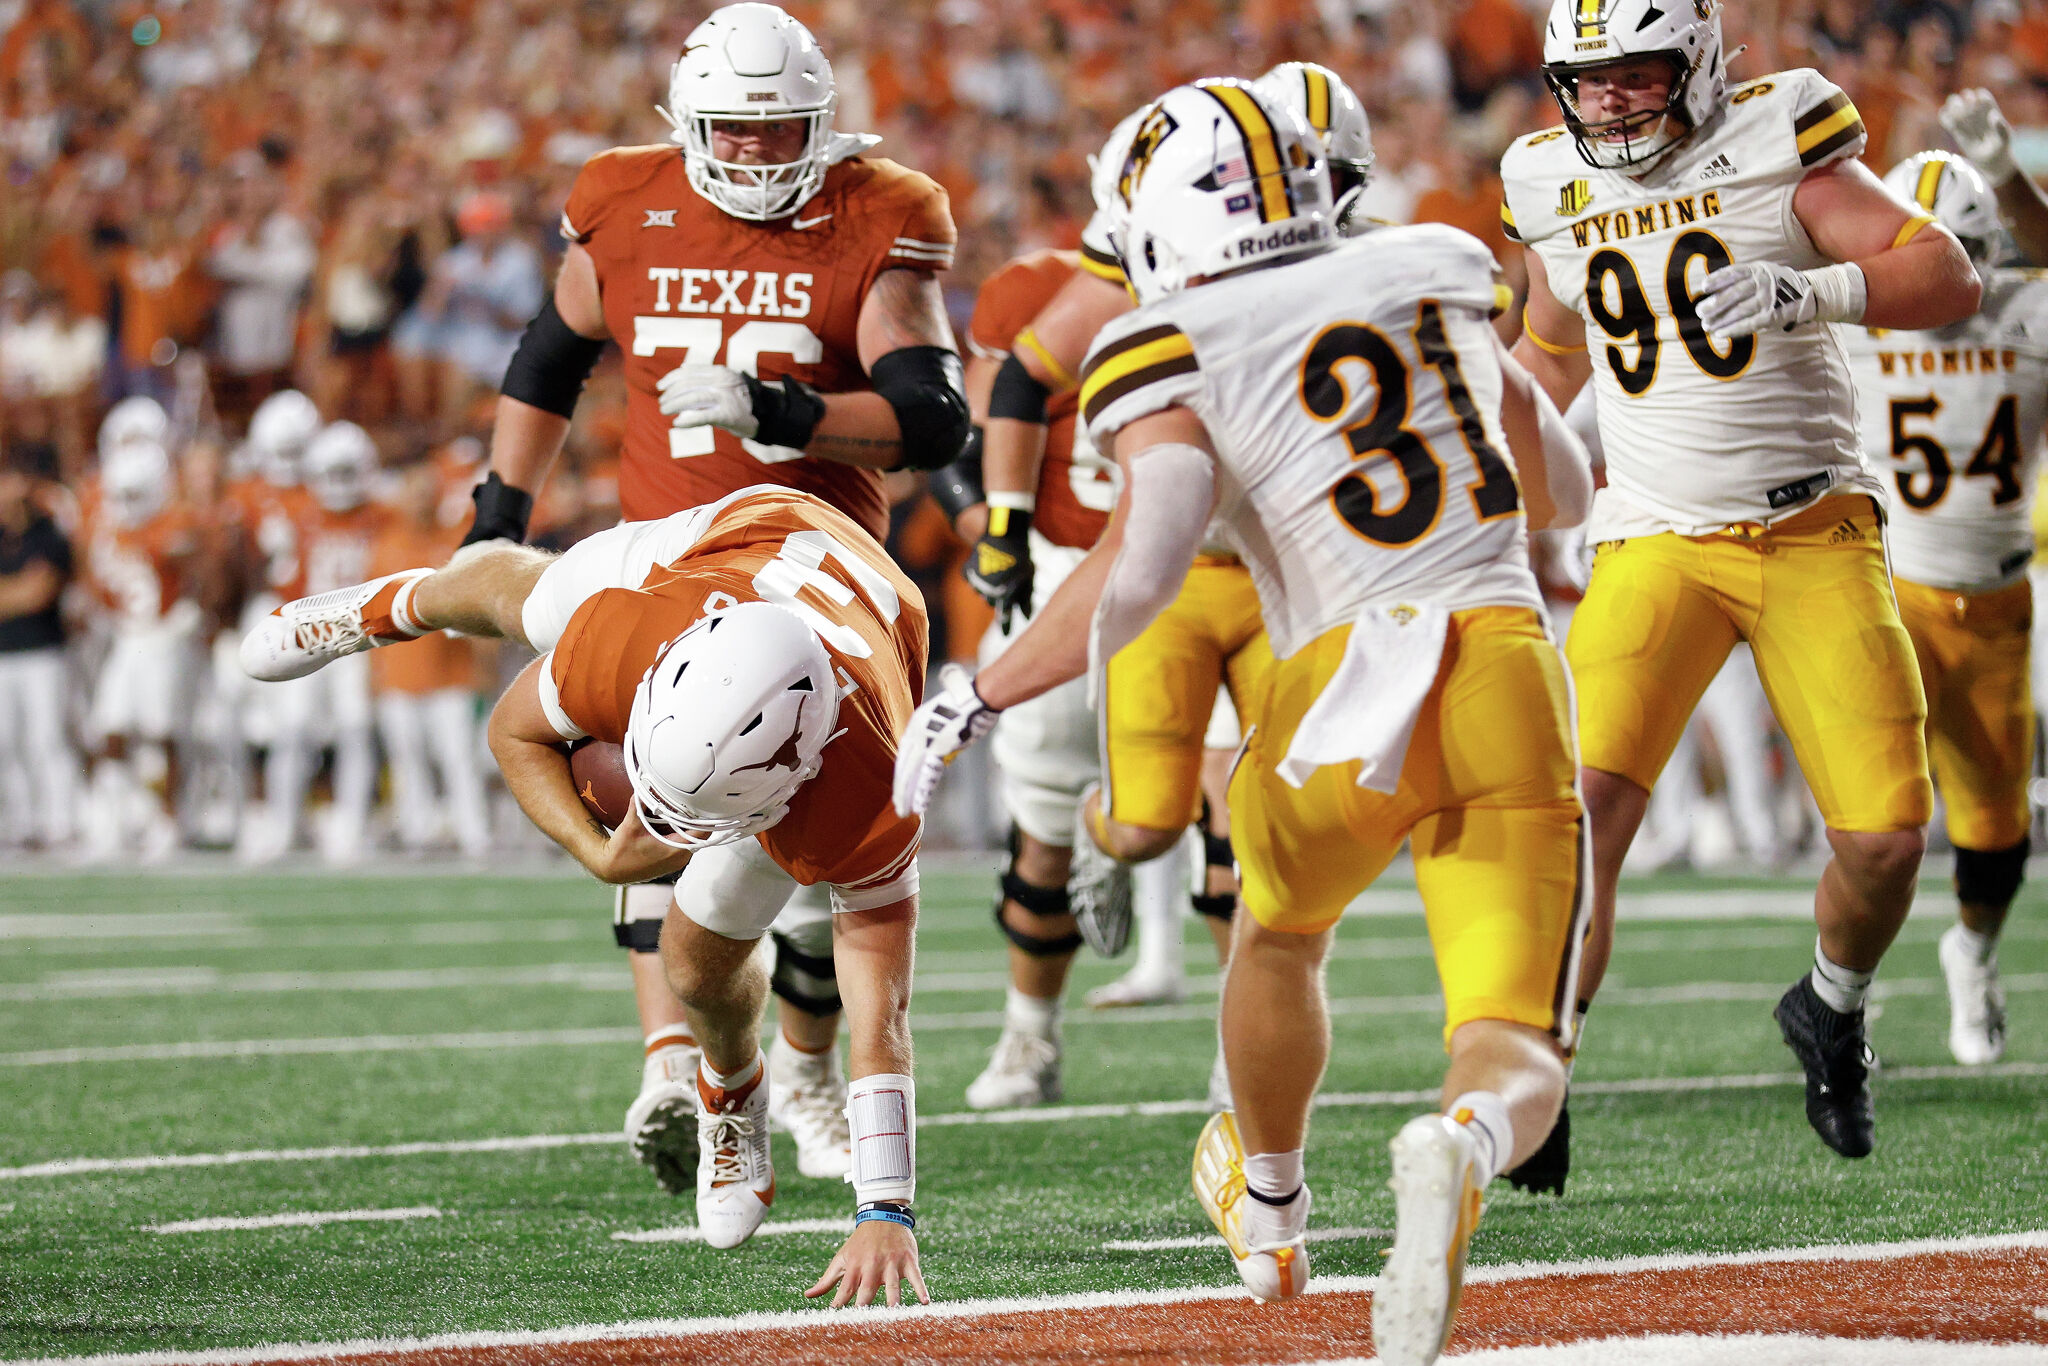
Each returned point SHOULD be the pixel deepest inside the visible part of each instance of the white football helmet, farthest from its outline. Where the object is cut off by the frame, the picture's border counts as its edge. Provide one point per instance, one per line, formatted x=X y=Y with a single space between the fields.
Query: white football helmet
x=136 y=480
x=1218 y=180
x=341 y=463
x=1584 y=34
x=755 y=63
x=1956 y=193
x=1328 y=106
x=137 y=418
x=733 y=717
x=279 y=431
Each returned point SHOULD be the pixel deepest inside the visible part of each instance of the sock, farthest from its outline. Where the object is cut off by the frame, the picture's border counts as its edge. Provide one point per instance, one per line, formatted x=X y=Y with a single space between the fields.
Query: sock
x=1031 y=1015
x=671 y=1056
x=790 y=1062
x=1840 y=989
x=1485 y=1115
x=1983 y=947
x=1278 y=1209
x=401 y=608
x=736 y=1080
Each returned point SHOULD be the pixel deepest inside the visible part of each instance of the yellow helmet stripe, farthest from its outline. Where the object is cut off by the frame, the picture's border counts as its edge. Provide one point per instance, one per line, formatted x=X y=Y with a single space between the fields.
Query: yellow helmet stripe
x=1589 y=18
x=1262 y=147
x=1929 y=184
x=1318 y=100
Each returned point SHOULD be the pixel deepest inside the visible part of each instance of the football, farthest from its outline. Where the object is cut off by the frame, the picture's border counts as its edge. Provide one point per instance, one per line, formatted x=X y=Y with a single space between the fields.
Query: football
x=598 y=769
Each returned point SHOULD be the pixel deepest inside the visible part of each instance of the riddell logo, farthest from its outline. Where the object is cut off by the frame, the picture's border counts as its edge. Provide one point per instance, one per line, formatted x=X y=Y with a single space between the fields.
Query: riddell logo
x=1293 y=235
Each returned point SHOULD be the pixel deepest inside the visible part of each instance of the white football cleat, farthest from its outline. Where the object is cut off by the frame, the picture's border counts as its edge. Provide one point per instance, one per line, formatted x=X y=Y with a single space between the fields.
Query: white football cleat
x=1024 y=1070
x=1098 y=889
x=1274 y=1268
x=808 y=1102
x=1140 y=987
x=735 y=1175
x=661 y=1124
x=306 y=633
x=1437 y=1204
x=1976 y=1003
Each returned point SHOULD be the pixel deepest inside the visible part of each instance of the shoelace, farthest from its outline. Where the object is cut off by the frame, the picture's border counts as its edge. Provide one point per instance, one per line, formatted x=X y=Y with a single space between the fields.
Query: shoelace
x=327 y=633
x=730 y=1136
x=1019 y=1051
x=819 y=1110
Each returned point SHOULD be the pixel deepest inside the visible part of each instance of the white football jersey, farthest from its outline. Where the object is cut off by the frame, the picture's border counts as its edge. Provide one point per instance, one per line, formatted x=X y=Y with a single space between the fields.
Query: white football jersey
x=1354 y=400
x=1955 y=417
x=1700 y=434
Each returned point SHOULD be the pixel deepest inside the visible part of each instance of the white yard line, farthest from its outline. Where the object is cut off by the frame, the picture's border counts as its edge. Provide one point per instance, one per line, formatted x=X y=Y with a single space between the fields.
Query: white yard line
x=121 y=984
x=1048 y=1114
x=878 y=1315
x=299 y=1219
x=1315 y=1235
x=687 y=1234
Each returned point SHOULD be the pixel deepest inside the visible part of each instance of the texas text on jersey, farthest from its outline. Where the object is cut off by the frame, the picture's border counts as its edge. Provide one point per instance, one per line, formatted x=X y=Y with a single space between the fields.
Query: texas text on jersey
x=1957 y=414
x=1700 y=432
x=770 y=545
x=1075 y=487
x=684 y=281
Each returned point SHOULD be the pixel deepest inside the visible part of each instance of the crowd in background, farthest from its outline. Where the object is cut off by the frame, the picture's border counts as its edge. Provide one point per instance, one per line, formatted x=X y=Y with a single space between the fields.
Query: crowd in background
x=212 y=202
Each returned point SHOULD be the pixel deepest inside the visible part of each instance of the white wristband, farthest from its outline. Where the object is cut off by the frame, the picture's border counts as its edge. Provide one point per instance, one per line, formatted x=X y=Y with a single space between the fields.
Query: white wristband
x=881 y=1112
x=1016 y=502
x=1840 y=292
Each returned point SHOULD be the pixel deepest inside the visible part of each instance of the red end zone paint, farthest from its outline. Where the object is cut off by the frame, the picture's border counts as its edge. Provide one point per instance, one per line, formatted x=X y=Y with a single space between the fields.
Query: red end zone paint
x=1958 y=1297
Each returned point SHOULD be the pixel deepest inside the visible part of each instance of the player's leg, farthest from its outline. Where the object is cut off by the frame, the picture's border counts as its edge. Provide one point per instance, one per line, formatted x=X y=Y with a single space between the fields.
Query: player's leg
x=1645 y=642
x=1973 y=653
x=46 y=744
x=661 y=1123
x=808 y=1086
x=726 y=898
x=355 y=760
x=1500 y=865
x=402 y=730
x=1840 y=673
x=454 y=729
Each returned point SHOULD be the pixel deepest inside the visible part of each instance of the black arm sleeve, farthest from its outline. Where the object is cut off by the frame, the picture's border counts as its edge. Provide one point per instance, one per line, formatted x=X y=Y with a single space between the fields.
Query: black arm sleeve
x=958 y=487
x=551 y=364
x=1016 y=394
x=925 y=386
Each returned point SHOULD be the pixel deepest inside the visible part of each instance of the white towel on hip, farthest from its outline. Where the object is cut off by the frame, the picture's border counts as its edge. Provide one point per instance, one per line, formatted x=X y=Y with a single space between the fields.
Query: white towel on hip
x=1368 y=708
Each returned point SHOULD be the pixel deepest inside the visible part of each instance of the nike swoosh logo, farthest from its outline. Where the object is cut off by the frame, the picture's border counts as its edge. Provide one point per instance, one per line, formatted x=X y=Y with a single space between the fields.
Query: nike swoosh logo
x=801 y=223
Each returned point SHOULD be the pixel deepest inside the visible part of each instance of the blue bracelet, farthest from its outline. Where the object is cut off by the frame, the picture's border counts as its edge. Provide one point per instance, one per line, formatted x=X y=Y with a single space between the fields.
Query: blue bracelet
x=890 y=1213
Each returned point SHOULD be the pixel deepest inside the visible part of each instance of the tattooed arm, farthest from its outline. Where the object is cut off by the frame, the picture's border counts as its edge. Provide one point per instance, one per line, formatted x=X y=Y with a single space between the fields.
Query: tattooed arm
x=904 y=308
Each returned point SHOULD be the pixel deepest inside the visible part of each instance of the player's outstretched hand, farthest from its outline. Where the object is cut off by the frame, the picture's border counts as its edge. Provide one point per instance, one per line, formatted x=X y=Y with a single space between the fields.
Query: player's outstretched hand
x=950 y=720
x=709 y=396
x=1736 y=301
x=878 y=1258
x=1982 y=134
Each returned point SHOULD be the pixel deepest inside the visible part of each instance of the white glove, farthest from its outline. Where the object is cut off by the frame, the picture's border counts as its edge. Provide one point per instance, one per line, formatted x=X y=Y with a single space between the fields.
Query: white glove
x=1982 y=134
x=1738 y=300
x=950 y=720
x=709 y=396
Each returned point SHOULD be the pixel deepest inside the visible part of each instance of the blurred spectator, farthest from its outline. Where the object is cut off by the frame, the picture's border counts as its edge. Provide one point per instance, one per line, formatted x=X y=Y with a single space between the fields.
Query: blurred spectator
x=38 y=769
x=480 y=295
x=262 y=257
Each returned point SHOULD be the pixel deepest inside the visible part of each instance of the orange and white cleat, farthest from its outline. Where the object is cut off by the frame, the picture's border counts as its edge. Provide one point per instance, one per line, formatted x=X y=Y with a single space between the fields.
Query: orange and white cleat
x=306 y=633
x=1437 y=1204
x=735 y=1177
x=1272 y=1268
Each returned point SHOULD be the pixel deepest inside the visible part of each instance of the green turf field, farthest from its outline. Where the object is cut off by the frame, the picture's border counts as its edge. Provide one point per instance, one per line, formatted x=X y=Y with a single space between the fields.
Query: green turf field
x=196 y=1014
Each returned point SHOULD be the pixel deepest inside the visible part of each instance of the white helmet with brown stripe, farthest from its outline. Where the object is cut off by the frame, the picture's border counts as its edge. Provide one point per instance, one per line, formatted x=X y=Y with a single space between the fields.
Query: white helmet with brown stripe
x=730 y=721
x=1333 y=113
x=1586 y=34
x=1961 y=200
x=1218 y=180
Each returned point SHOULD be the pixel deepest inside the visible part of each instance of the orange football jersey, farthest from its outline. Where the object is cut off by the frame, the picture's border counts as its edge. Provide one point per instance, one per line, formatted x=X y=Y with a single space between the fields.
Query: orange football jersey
x=334 y=547
x=269 y=518
x=1008 y=301
x=140 y=572
x=792 y=550
x=682 y=280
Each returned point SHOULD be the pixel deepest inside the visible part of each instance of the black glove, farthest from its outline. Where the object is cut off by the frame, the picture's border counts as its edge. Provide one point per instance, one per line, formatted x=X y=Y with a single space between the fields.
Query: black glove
x=1000 y=567
x=501 y=511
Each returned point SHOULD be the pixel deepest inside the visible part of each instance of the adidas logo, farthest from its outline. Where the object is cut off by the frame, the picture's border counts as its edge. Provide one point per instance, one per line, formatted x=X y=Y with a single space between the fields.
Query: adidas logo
x=1718 y=169
x=1845 y=532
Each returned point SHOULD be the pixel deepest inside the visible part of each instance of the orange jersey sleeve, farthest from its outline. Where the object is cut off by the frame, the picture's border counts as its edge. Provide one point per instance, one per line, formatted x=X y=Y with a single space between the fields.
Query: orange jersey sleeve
x=684 y=281
x=1073 y=500
x=792 y=550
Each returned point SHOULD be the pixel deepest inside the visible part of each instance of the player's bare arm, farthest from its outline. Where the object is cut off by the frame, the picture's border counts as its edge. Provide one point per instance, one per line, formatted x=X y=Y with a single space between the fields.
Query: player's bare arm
x=872 y=951
x=1553 y=468
x=556 y=354
x=1553 y=344
x=1915 y=273
x=1974 y=120
x=535 y=766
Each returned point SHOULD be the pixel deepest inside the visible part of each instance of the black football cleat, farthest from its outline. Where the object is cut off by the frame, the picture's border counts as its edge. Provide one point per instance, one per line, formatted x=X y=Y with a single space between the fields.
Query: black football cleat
x=1831 y=1047
x=1543 y=1171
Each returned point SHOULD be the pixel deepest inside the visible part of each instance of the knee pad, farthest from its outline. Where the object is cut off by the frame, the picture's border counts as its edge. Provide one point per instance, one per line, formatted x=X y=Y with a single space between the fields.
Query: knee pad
x=1990 y=877
x=807 y=981
x=637 y=913
x=1040 y=902
x=1216 y=905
